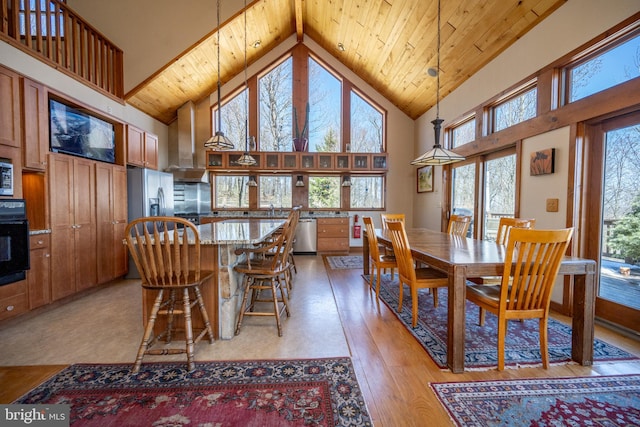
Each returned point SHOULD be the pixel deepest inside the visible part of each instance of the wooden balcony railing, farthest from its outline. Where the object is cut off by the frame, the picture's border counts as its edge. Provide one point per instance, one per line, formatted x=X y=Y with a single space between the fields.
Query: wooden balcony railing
x=54 y=33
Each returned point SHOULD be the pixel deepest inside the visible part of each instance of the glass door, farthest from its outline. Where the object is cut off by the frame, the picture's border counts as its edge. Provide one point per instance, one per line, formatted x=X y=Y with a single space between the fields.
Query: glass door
x=612 y=178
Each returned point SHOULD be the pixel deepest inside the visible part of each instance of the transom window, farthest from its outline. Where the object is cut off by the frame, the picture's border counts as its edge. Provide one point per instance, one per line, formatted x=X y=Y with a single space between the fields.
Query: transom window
x=516 y=109
x=607 y=68
x=463 y=133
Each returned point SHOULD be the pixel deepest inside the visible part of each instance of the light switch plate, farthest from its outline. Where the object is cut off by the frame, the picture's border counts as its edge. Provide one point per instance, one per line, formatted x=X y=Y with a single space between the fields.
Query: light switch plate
x=552 y=205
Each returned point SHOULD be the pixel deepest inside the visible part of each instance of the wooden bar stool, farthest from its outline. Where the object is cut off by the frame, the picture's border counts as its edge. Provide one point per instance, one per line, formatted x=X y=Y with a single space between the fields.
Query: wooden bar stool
x=161 y=252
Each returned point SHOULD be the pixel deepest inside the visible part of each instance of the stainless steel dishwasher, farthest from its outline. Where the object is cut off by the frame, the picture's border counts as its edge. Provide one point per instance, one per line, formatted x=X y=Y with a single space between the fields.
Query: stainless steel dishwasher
x=306 y=236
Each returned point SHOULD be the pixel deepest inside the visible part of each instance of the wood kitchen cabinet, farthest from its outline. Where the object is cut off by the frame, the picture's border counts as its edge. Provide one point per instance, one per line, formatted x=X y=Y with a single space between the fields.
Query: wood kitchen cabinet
x=142 y=148
x=38 y=277
x=333 y=235
x=10 y=113
x=111 y=221
x=73 y=224
x=13 y=299
x=35 y=125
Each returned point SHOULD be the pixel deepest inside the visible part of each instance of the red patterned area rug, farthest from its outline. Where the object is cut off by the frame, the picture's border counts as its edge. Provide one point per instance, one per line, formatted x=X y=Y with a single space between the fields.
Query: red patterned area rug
x=481 y=342
x=314 y=392
x=574 y=402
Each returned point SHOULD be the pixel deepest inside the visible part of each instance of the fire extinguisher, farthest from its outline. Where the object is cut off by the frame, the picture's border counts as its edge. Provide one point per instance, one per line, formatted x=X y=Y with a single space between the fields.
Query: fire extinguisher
x=356 y=228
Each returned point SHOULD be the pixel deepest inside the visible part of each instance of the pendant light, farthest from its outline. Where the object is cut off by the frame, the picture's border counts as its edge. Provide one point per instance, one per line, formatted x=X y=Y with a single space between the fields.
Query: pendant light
x=246 y=159
x=219 y=141
x=437 y=155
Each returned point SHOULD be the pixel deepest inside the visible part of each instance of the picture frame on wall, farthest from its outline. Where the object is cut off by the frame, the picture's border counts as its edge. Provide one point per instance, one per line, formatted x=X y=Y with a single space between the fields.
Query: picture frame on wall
x=425 y=179
x=542 y=162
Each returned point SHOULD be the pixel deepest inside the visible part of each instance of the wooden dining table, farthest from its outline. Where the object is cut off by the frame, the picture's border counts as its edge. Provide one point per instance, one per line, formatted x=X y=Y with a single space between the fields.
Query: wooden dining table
x=462 y=257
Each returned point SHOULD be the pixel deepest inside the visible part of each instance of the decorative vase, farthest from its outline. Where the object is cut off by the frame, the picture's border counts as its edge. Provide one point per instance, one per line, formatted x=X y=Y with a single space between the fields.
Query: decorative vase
x=300 y=144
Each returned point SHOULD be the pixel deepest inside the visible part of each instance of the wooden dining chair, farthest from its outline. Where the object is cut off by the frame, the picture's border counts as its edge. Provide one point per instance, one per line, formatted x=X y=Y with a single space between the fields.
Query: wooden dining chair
x=266 y=268
x=459 y=225
x=160 y=248
x=415 y=278
x=380 y=261
x=532 y=261
x=388 y=217
x=506 y=224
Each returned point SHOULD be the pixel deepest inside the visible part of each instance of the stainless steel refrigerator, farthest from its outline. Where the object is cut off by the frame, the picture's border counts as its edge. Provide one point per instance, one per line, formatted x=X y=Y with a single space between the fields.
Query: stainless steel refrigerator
x=149 y=193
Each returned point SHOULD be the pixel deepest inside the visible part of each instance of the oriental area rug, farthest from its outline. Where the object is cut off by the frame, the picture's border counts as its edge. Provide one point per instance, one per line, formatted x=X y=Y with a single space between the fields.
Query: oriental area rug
x=589 y=401
x=314 y=392
x=344 y=262
x=481 y=342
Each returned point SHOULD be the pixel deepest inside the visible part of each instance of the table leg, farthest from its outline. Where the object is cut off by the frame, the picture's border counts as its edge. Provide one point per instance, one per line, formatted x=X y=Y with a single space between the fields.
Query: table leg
x=582 y=323
x=456 y=318
x=365 y=254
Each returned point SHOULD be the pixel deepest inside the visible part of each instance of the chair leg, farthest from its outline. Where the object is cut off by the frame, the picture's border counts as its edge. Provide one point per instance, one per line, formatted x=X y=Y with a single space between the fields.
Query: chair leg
x=481 y=316
x=414 y=306
x=275 y=305
x=188 y=329
x=170 y=315
x=243 y=305
x=400 y=296
x=148 y=331
x=502 y=334
x=203 y=312
x=435 y=297
x=378 y=281
x=544 y=350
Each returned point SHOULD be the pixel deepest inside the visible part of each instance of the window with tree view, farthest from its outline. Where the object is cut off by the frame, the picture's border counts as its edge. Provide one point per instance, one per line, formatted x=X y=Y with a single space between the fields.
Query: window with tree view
x=366 y=126
x=324 y=192
x=463 y=133
x=233 y=114
x=275 y=191
x=275 y=98
x=367 y=192
x=231 y=191
x=517 y=109
x=325 y=109
x=606 y=69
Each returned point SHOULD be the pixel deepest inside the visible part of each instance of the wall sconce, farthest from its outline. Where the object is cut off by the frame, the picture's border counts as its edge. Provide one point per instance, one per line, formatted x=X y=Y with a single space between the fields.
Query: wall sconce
x=252 y=182
x=300 y=181
x=346 y=181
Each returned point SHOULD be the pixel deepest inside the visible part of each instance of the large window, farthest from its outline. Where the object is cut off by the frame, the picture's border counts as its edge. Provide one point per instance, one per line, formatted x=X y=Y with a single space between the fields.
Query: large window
x=324 y=192
x=231 y=191
x=233 y=114
x=275 y=191
x=367 y=192
x=366 y=126
x=275 y=98
x=325 y=109
x=516 y=109
x=464 y=190
x=603 y=70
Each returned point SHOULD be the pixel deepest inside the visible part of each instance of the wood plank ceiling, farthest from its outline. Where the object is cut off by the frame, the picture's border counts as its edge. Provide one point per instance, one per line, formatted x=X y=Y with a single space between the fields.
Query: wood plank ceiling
x=388 y=43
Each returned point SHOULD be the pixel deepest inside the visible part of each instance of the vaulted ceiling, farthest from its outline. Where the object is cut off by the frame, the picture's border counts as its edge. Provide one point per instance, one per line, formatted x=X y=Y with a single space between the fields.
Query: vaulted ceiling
x=390 y=44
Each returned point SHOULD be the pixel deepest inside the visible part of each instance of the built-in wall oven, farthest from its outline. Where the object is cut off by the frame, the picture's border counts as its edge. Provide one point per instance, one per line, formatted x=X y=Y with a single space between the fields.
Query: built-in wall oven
x=14 y=241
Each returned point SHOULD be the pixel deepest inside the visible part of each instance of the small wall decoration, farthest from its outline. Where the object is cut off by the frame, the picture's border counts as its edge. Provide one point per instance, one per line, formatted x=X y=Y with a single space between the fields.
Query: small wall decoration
x=425 y=179
x=542 y=162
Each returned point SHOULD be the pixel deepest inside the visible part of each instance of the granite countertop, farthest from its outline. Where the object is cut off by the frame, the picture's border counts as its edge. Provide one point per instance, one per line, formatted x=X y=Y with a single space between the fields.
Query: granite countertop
x=278 y=213
x=36 y=232
x=238 y=231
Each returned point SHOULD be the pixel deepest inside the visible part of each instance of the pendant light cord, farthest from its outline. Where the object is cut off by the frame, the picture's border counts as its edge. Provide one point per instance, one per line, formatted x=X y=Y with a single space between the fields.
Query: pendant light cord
x=438 y=69
x=246 y=85
x=219 y=106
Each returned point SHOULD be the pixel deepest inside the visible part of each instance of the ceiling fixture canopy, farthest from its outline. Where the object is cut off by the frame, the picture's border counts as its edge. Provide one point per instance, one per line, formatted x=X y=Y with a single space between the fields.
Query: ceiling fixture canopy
x=219 y=141
x=437 y=155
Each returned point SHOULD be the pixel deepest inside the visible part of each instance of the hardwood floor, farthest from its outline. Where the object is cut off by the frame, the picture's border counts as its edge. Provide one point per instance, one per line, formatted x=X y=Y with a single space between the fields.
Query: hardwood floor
x=333 y=314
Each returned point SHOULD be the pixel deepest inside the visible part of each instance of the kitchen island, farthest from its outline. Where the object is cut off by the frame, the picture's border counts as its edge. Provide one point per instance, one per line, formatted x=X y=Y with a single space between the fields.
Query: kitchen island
x=222 y=294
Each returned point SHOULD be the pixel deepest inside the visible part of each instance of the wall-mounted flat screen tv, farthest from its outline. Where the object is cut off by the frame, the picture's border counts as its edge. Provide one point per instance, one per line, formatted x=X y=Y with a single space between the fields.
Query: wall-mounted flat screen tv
x=79 y=133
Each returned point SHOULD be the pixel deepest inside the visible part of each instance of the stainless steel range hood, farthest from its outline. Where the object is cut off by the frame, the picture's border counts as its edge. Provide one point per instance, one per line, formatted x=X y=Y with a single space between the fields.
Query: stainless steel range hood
x=189 y=175
x=182 y=149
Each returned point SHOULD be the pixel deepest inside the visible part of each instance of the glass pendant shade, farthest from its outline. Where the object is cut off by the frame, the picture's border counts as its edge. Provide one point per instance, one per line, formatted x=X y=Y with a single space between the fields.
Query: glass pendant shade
x=346 y=181
x=246 y=160
x=437 y=155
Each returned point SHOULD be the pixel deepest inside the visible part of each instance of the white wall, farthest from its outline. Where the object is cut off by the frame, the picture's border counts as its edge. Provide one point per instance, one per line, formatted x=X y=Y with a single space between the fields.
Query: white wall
x=573 y=24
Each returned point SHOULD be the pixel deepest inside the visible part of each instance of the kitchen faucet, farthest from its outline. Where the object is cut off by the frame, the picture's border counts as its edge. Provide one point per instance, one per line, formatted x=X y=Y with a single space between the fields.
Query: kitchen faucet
x=273 y=210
